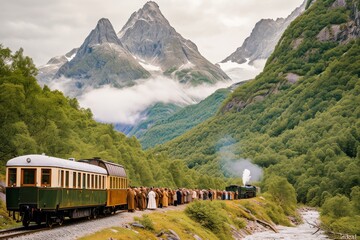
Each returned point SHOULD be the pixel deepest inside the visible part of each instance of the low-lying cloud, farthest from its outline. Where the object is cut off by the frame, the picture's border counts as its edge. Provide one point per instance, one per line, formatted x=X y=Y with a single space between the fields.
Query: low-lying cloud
x=113 y=105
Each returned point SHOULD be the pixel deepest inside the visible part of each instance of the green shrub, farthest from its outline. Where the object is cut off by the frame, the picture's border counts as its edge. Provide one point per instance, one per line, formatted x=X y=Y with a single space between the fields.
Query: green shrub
x=146 y=222
x=209 y=214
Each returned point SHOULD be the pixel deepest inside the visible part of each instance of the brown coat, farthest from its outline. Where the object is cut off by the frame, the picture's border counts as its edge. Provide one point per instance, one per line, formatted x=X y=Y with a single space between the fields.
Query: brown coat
x=160 y=196
x=140 y=202
x=157 y=198
x=130 y=199
x=165 y=201
x=171 y=197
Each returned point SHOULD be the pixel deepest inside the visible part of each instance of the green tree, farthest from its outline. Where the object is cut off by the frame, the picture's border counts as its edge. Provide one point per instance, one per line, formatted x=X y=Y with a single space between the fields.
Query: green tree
x=282 y=192
x=337 y=207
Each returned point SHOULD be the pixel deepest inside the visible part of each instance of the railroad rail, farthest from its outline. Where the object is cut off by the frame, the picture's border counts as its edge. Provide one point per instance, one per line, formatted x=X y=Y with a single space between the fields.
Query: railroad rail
x=20 y=231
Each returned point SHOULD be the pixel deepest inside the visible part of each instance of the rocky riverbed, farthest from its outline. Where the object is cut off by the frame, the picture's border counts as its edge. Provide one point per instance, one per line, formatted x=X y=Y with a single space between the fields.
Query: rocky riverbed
x=300 y=232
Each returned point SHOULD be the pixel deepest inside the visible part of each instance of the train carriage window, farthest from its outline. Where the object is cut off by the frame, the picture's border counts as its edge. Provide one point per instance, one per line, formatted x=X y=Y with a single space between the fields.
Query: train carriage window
x=92 y=181
x=88 y=181
x=74 y=179
x=45 y=177
x=84 y=180
x=103 y=181
x=12 y=177
x=28 y=177
x=62 y=178
x=66 y=179
x=79 y=180
x=96 y=181
x=111 y=182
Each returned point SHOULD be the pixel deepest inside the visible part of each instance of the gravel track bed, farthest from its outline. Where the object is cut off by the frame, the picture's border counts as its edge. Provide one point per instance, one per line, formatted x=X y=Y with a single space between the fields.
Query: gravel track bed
x=82 y=229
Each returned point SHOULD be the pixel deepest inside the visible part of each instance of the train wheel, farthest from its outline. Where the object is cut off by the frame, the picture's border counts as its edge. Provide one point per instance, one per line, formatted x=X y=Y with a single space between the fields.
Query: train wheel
x=94 y=213
x=49 y=221
x=26 y=222
x=25 y=219
x=38 y=222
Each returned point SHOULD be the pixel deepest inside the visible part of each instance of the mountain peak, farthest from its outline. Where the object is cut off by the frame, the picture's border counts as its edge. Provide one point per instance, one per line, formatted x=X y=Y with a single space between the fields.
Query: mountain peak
x=151 y=5
x=149 y=36
x=150 y=13
x=102 y=60
x=263 y=38
x=103 y=33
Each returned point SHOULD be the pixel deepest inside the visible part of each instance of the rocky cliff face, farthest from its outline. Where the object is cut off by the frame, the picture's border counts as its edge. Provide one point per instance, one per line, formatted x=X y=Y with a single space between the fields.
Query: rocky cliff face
x=263 y=38
x=342 y=33
x=48 y=71
x=149 y=36
x=101 y=60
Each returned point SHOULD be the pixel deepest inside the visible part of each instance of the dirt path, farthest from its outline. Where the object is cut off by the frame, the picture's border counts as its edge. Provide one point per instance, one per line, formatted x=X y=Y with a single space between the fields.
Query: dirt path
x=82 y=229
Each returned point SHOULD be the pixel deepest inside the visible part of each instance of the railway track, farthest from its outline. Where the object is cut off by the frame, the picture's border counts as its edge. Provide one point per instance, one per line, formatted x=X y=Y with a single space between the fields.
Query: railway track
x=21 y=231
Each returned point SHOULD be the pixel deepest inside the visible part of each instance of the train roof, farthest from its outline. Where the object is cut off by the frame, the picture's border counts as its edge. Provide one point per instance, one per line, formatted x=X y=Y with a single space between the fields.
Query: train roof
x=113 y=169
x=36 y=160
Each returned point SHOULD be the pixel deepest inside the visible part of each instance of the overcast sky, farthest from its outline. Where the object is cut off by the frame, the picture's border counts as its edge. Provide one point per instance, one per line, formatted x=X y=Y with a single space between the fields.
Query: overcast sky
x=48 y=28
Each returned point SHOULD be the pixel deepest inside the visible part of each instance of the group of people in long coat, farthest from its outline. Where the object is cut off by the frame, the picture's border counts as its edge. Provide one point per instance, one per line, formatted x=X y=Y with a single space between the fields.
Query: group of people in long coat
x=153 y=198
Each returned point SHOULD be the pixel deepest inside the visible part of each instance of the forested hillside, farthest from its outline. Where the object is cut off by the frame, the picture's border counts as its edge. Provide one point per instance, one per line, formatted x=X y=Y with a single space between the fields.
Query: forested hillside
x=299 y=119
x=38 y=120
x=181 y=121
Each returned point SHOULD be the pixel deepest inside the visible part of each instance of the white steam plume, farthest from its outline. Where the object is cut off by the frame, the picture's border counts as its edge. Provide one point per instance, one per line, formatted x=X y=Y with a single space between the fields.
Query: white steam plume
x=232 y=165
x=246 y=176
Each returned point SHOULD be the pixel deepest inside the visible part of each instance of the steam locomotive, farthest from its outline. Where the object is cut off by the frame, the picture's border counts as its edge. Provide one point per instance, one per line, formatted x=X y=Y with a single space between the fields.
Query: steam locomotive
x=247 y=191
x=48 y=189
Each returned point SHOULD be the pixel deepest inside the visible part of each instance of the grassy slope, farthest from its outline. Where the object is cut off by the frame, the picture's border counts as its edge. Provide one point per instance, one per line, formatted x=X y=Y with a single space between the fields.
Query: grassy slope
x=218 y=224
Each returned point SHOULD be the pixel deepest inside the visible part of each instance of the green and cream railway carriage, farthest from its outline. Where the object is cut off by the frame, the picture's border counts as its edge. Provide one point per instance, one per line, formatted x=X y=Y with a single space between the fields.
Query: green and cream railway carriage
x=48 y=189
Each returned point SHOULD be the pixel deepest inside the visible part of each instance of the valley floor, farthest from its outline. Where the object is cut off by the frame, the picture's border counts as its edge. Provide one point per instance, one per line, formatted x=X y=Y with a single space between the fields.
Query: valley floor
x=172 y=220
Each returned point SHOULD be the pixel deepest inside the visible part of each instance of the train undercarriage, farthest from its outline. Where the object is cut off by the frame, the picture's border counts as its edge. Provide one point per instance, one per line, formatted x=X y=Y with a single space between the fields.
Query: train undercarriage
x=28 y=214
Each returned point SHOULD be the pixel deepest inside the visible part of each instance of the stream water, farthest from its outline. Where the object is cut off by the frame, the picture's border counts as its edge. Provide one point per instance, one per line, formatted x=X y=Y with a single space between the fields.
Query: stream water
x=300 y=232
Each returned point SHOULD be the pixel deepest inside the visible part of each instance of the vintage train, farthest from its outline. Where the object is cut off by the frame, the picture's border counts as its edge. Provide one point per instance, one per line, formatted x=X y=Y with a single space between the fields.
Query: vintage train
x=247 y=191
x=48 y=189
